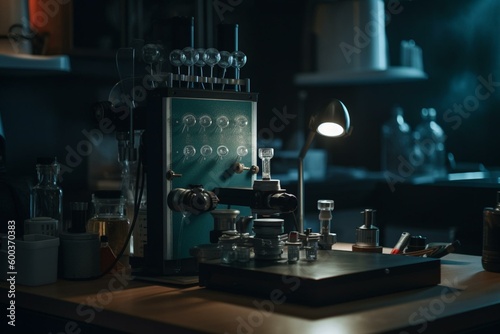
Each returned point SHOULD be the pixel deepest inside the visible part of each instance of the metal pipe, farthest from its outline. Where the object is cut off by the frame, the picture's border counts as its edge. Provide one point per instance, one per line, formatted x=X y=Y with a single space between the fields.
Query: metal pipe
x=300 y=189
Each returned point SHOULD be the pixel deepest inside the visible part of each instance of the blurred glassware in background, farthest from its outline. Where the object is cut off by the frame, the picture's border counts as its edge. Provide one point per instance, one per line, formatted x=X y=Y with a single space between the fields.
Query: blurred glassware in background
x=397 y=142
x=411 y=55
x=430 y=139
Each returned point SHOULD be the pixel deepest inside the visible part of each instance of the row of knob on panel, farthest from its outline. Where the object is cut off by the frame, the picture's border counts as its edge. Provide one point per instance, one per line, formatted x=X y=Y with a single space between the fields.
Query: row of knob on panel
x=205 y=121
x=189 y=151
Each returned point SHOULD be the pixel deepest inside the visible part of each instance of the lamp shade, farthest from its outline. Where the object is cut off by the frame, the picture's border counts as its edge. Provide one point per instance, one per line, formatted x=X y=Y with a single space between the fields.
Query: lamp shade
x=333 y=121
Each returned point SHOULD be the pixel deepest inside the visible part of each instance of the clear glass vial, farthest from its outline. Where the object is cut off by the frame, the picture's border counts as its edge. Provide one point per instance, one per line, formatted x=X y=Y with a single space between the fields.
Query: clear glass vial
x=293 y=247
x=310 y=243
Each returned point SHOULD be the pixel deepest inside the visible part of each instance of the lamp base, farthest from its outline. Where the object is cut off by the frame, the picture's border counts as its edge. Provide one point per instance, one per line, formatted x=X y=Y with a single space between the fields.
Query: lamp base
x=367 y=249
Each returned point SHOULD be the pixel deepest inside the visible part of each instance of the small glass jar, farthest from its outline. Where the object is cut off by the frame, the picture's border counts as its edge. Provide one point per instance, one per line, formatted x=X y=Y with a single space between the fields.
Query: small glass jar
x=243 y=253
x=310 y=242
x=110 y=220
x=227 y=245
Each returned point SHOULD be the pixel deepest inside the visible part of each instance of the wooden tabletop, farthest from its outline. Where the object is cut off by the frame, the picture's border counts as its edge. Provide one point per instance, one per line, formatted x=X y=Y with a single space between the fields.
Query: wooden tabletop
x=467 y=297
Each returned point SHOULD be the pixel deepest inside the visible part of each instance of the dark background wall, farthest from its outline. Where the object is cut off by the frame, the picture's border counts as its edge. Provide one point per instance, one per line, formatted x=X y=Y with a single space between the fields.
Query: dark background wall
x=47 y=113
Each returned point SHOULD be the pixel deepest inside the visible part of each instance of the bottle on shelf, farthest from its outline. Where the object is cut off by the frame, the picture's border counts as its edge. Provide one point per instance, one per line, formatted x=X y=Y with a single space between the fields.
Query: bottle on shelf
x=430 y=139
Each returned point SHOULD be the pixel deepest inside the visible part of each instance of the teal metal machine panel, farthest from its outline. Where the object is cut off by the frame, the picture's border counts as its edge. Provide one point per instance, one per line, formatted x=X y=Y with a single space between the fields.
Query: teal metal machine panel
x=205 y=137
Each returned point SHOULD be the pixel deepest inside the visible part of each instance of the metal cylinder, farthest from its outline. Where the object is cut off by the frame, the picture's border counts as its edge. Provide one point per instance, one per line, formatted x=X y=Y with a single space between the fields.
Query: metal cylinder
x=367 y=235
x=224 y=220
x=491 y=238
x=269 y=240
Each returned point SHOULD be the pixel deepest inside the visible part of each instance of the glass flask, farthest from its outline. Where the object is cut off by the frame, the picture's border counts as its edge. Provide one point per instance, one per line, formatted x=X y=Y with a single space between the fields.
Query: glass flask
x=46 y=195
x=109 y=220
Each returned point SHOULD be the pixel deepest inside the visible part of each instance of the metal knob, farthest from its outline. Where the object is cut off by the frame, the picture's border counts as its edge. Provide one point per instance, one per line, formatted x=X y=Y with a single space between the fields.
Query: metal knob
x=238 y=168
x=171 y=175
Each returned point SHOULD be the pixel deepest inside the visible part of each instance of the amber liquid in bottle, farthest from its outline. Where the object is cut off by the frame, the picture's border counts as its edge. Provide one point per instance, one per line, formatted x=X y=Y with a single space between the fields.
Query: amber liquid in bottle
x=116 y=229
x=491 y=238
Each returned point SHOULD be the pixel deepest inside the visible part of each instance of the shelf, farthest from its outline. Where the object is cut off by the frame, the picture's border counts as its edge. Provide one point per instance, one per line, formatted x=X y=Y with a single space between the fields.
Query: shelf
x=58 y=63
x=350 y=77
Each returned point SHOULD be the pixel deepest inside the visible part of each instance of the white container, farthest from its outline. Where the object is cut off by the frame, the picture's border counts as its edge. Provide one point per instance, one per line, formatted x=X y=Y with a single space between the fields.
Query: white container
x=41 y=225
x=351 y=36
x=36 y=258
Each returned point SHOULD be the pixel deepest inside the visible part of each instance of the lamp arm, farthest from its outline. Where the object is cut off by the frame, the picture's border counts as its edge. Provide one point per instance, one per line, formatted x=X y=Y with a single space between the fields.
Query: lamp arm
x=300 y=188
x=307 y=144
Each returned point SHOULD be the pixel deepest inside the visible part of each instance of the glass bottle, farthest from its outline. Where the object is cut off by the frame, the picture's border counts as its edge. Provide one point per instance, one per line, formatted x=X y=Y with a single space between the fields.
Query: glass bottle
x=491 y=237
x=79 y=217
x=397 y=141
x=110 y=220
x=47 y=196
x=430 y=139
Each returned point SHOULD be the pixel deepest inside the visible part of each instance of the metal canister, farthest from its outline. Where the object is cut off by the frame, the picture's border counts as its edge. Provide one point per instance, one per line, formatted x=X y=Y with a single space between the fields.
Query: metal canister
x=491 y=237
x=269 y=239
x=367 y=235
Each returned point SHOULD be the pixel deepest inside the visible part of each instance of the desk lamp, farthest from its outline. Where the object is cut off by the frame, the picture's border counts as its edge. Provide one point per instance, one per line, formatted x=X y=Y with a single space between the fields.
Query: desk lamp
x=333 y=121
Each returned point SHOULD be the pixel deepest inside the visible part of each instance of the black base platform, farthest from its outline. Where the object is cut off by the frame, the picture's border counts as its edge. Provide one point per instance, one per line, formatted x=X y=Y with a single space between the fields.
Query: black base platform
x=337 y=276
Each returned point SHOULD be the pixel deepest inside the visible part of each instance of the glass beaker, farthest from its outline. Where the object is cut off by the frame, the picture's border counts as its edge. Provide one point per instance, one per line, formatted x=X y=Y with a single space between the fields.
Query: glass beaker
x=110 y=220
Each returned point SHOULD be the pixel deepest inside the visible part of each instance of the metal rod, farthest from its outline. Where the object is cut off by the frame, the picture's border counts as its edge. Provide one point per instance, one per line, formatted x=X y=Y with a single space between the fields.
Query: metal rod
x=300 y=189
